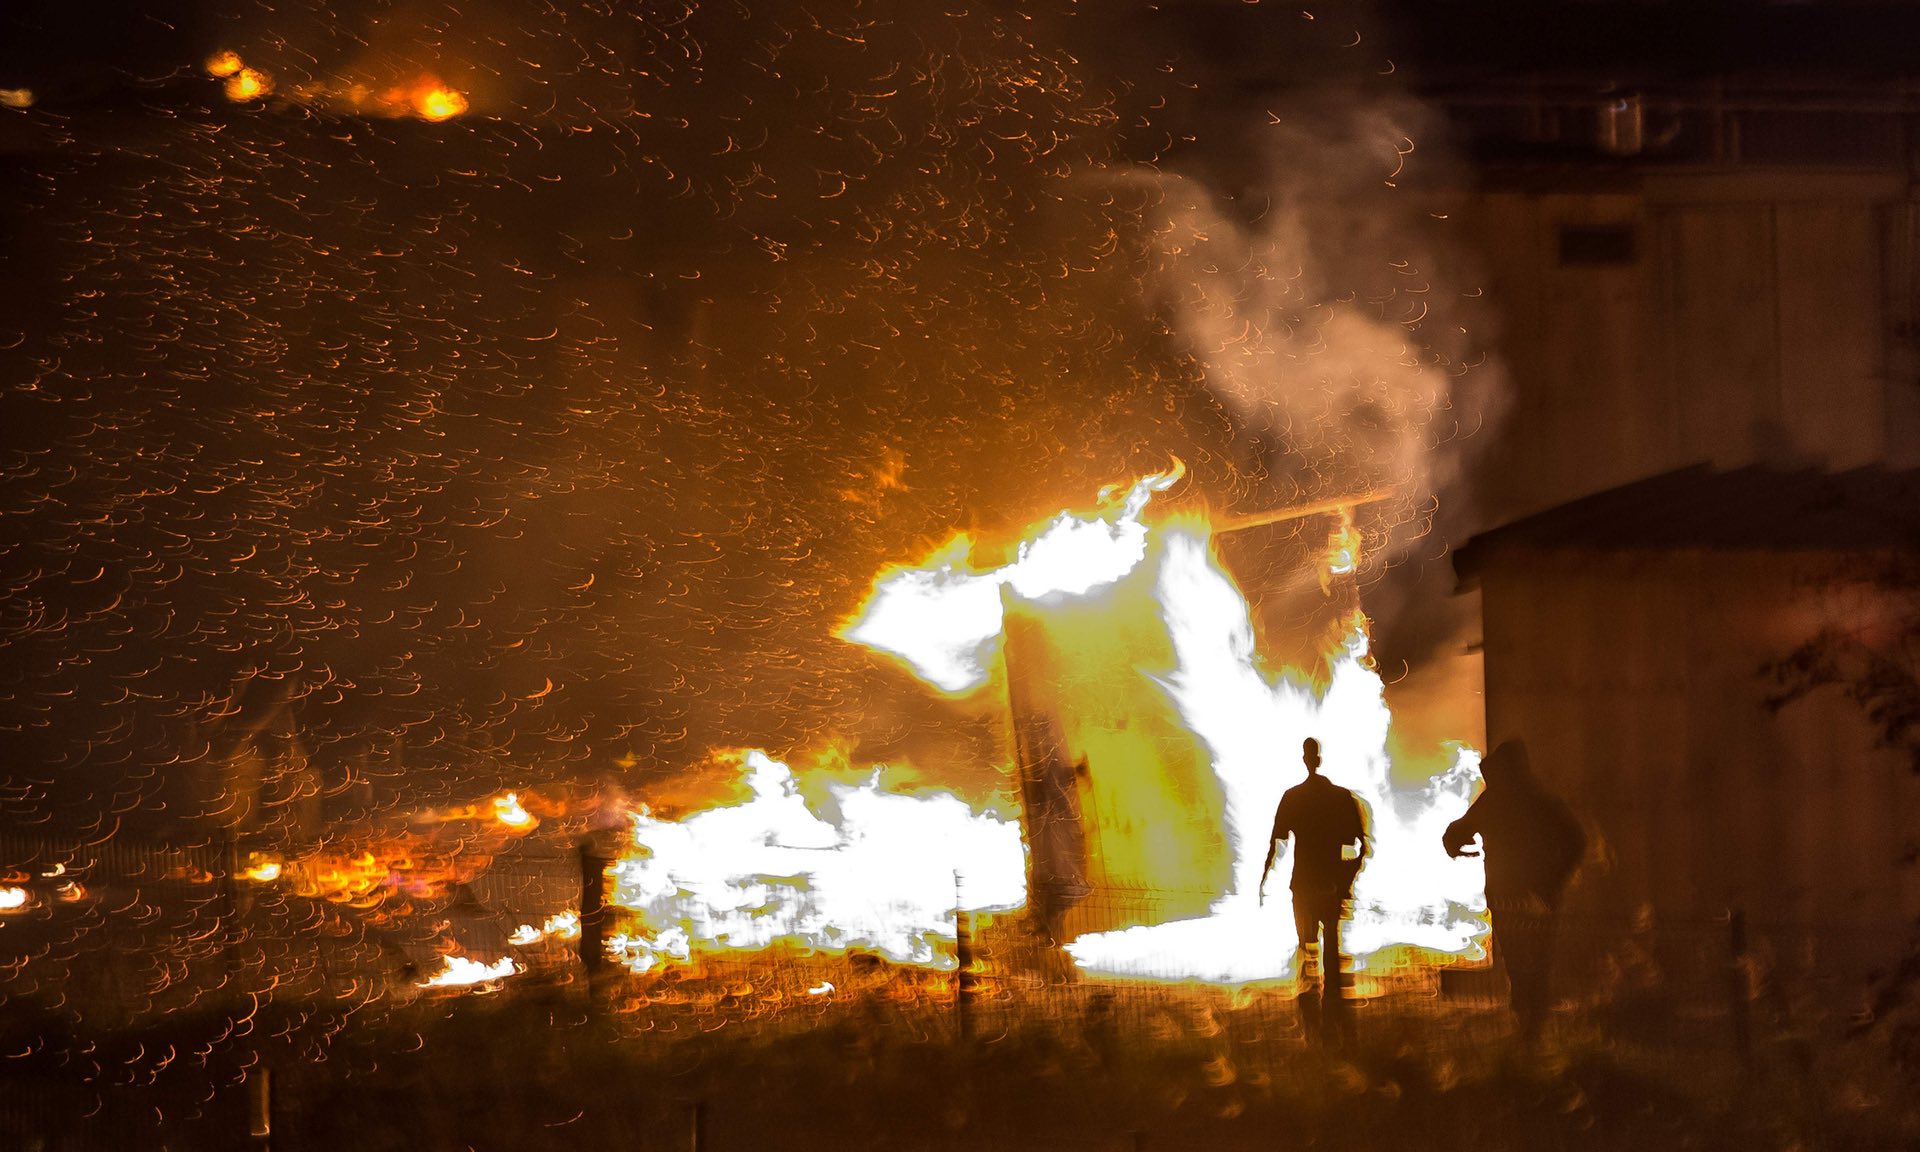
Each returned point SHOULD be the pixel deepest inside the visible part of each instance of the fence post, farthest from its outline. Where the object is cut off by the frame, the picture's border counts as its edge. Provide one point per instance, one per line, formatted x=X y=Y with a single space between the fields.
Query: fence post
x=593 y=913
x=1739 y=996
x=259 y=1107
x=963 y=962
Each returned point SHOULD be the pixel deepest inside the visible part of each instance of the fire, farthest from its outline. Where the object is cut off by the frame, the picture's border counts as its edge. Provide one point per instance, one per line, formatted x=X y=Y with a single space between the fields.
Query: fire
x=16 y=97
x=1087 y=581
x=942 y=617
x=12 y=898
x=459 y=971
x=1135 y=651
x=248 y=84
x=435 y=101
x=872 y=869
x=559 y=926
x=223 y=64
x=427 y=97
x=1343 y=550
x=264 y=871
x=508 y=811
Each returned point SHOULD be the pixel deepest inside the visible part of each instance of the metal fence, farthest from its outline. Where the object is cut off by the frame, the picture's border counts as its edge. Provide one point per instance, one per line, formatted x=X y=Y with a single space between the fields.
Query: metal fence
x=152 y=998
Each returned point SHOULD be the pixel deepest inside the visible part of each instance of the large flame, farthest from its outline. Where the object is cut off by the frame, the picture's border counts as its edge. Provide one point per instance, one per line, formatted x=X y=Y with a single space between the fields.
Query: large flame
x=943 y=618
x=873 y=870
x=1188 y=737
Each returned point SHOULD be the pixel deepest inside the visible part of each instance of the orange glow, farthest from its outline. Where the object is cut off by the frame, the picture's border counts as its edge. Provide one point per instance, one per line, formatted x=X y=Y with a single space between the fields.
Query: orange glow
x=437 y=102
x=248 y=84
x=12 y=898
x=16 y=97
x=223 y=64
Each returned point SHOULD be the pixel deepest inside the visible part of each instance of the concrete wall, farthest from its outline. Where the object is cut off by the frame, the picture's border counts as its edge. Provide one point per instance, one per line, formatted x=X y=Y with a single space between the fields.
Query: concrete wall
x=1636 y=681
x=1762 y=315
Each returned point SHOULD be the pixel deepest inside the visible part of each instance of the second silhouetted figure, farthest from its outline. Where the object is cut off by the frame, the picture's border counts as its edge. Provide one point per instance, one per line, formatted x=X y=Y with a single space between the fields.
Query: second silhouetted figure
x=1532 y=844
x=1330 y=841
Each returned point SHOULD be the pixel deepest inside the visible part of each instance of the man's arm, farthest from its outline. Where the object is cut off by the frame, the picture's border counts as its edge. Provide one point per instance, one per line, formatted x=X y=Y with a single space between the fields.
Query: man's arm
x=1461 y=832
x=1281 y=831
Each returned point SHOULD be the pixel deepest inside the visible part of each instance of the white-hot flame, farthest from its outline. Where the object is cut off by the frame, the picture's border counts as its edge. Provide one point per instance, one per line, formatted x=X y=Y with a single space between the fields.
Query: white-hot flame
x=872 y=870
x=12 y=898
x=460 y=971
x=944 y=619
x=1410 y=892
x=508 y=810
x=559 y=926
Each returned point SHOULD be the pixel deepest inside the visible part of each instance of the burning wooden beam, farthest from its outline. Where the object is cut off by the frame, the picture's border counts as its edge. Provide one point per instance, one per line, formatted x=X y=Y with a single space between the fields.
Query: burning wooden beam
x=1301 y=511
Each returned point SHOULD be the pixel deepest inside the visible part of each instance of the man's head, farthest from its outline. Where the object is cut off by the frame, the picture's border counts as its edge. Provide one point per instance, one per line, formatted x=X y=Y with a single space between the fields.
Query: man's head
x=1310 y=755
x=1507 y=764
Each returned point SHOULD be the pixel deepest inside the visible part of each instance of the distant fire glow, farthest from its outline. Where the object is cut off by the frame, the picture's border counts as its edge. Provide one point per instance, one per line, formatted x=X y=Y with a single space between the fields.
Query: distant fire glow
x=436 y=102
x=223 y=64
x=248 y=84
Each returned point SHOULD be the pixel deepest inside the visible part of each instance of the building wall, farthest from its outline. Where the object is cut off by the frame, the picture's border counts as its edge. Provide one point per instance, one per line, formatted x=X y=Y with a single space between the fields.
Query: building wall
x=1670 y=317
x=1636 y=681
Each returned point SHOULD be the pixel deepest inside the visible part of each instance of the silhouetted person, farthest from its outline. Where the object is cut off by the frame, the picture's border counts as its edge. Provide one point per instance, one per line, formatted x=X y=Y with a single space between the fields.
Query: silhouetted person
x=1329 y=829
x=1532 y=844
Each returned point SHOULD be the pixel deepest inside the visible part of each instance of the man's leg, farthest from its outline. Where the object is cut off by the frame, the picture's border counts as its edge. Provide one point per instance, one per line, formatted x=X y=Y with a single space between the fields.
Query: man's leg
x=1333 y=978
x=1524 y=936
x=1308 y=964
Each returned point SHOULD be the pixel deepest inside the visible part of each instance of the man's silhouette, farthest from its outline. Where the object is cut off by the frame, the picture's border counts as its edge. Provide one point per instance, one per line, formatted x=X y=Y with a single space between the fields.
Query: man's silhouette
x=1532 y=844
x=1329 y=829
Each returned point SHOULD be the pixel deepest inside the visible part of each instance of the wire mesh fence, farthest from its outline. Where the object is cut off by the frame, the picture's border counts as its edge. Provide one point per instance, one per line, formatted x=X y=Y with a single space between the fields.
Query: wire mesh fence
x=148 y=990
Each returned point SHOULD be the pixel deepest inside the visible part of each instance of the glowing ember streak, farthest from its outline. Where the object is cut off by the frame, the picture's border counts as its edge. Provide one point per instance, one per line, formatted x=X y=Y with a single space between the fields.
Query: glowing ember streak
x=943 y=617
x=248 y=84
x=873 y=870
x=508 y=811
x=223 y=64
x=459 y=971
x=12 y=898
x=438 y=102
x=821 y=989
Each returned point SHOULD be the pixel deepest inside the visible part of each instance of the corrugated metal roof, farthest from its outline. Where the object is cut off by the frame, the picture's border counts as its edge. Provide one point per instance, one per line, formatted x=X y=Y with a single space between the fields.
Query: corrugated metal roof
x=1746 y=509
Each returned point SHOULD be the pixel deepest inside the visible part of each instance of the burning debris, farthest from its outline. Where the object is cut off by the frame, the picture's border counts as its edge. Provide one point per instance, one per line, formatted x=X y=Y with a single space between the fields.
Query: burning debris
x=1151 y=780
